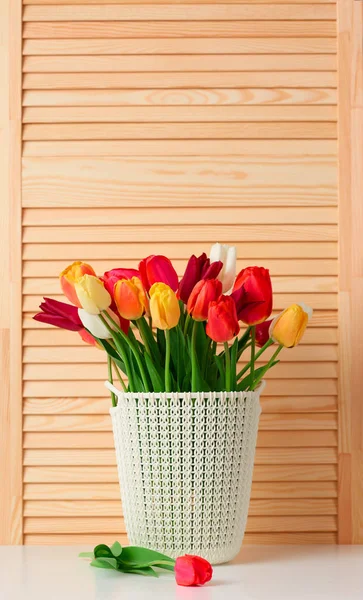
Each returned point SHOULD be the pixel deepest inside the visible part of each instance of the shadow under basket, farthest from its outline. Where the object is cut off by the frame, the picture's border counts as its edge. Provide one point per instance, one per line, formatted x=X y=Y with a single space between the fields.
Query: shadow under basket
x=185 y=463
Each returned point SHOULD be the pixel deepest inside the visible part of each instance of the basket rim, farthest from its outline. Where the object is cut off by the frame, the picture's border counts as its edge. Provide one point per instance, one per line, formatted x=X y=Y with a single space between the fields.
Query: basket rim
x=255 y=395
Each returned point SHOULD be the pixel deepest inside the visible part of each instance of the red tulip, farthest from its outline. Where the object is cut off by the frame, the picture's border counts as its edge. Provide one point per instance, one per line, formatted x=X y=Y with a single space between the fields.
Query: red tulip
x=203 y=293
x=59 y=314
x=197 y=268
x=192 y=570
x=222 y=323
x=158 y=269
x=111 y=277
x=257 y=286
x=262 y=333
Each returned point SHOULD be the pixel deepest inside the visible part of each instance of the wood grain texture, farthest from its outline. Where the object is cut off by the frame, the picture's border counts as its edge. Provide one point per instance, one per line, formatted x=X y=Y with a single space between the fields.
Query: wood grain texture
x=211 y=45
x=350 y=25
x=178 y=29
x=90 y=81
x=171 y=125
x=179 y=63
x=180 y=12
x=11 y=525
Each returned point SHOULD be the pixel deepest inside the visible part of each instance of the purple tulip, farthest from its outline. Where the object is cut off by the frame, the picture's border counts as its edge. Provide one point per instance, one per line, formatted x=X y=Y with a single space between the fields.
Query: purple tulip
x=198 y=268
x=59 y=314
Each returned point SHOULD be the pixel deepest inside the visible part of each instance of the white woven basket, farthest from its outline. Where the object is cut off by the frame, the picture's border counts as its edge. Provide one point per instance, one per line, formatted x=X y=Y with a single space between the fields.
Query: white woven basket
x=185 y=463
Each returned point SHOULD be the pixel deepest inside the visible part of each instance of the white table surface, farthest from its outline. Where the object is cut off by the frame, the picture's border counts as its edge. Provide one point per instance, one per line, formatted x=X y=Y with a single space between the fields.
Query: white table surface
x=258 y=573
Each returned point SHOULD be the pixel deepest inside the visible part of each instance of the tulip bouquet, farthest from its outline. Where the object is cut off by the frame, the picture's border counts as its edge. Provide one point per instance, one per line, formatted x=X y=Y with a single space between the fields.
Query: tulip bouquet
x=165 y=335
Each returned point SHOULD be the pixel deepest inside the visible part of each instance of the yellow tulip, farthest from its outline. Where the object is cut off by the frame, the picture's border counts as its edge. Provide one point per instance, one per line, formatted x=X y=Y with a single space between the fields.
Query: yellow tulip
x=92 y=294
x=289 y=326
x=164 y=306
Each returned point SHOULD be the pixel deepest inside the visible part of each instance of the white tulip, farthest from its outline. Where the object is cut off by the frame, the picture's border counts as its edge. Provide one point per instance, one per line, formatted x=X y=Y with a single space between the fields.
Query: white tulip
x=94 y=324
x=227 y=255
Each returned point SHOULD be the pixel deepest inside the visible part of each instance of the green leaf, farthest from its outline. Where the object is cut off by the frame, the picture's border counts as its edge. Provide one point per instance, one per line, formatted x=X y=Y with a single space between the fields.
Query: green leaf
x=116 y=549
x=234 y=350
x=146 y=571
x=105 y=563
x=246 y=382
x=147 y=334
x=221 y=384
x=135 y=554
x=102 y=550
x=156 y=380
x=160 y=338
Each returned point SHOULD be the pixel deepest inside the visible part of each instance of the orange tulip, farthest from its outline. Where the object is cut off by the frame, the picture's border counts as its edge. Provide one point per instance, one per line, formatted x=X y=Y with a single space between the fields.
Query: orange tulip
x=130 y=298
x=70 y=276
x=203 y=293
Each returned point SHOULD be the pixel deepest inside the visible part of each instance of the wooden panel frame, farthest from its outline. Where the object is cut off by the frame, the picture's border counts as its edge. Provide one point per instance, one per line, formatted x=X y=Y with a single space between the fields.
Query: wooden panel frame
x=11 y=506
x=350 y=53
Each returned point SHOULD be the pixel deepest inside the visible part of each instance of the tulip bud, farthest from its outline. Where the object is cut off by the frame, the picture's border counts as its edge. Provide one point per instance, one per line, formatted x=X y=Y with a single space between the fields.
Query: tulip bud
x=59 y=314
x=192 y=570
x=262 y=335
x=130 y=298
x=158 y=269
x=88 y=338
x=70 y=276
x=110 y=278
x=289 y=326
x=94 y=324
x=203 y=293
x=164 y=306
x=256 y=283
x=92 y=295
x=227 y=255
x=222 y=323
x=198 y=268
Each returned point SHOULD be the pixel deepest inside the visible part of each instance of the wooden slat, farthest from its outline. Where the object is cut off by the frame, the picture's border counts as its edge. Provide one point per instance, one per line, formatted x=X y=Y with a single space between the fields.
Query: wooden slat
x=112 y=508
x=52 y=337
x=151 y=114
x=168 y=2
x=172 y=216
x=104 y=439
x=211 y=45
x=177 y=29
x=82 y=405
x=250 y=251
x=250 y=538
x=178 y=147
x=105 y=457
x=268 y=421
x=179 y=12
x=296 y=180
x=43 y=355
x=288 y=233
x=277 y=267
x=90 y=81
x=79 y=372
x=183 y=63
x=85 y=474
x=116 y=524
x=111 y=491
x=195 y=131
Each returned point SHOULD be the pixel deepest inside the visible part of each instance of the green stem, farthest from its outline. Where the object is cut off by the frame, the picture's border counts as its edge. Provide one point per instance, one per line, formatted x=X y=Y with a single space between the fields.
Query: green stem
x=119 y=377
x=253 y=351
x=194 y=357
x=167 y=361
x=141 y=323
x=268 y=366
x=110 y=379
x=228 y=367
x=186 y=324
x=258 y=354
x=121 y=350
x=134 y=351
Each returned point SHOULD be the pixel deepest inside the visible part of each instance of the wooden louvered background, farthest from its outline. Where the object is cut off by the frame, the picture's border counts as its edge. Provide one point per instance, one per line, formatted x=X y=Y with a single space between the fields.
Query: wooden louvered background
x=162 y=128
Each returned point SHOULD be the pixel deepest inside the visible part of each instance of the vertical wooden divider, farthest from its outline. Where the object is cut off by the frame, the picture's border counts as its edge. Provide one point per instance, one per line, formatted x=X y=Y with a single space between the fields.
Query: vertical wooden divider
x=350 y=119
x=11 y=508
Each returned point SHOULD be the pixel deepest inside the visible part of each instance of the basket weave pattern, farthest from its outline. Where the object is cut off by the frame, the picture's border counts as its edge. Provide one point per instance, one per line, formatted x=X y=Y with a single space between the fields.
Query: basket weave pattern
x=185 y=463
